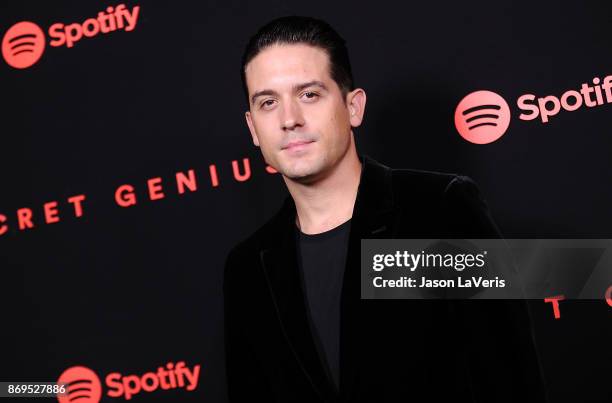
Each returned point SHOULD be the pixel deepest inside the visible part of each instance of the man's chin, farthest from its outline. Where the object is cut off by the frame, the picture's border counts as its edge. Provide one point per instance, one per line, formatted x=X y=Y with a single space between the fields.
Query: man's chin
x=301 y=174
x=304 y=169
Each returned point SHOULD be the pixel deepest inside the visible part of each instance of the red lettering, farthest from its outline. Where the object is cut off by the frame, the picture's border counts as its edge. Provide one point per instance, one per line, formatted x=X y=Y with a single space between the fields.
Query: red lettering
x=555 y=303
x=51 y=212
x=68 y=35
x=124 y=196
x=214 y=179
x=182 y=181
x=55 y=32
x=131 y=386
x=4 y=227
x=155 y=189
x=76 y=200
x=247 y=170
x=24 y=218
x=115 y=387
x=175 y=377
x=149 y=382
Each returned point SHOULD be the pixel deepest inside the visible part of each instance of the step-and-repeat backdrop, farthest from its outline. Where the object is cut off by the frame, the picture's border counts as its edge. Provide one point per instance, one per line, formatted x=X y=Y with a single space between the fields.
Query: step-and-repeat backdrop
x=128 y=172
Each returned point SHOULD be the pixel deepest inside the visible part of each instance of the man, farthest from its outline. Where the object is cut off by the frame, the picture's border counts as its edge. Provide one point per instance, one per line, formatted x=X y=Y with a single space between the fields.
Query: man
x=296 y=327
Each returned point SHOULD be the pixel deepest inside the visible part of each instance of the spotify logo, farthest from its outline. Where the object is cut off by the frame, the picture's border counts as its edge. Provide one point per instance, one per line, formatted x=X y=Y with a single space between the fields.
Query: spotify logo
x=482 y=117
x=23 y=44
x=82 y=385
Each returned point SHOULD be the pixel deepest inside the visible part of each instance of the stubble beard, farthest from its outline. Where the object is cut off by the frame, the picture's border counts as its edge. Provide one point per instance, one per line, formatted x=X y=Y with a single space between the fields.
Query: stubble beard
x=305 y=171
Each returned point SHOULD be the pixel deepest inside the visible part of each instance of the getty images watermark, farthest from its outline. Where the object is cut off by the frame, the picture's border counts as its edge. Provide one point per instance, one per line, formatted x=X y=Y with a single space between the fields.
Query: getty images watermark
x=485 y=268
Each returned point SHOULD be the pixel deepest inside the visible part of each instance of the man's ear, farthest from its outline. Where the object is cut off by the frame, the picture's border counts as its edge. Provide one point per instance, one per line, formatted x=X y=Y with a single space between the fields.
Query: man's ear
x=247 y=115
x=356 y=101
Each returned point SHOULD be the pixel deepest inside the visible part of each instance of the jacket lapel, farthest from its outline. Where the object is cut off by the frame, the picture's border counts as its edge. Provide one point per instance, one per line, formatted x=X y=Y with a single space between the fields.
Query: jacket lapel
x=374 y=216
x=281 y=269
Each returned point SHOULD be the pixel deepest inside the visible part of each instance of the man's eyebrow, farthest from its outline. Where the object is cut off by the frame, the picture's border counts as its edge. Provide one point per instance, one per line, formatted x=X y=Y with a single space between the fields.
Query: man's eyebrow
x=313 y=83
x=296 y=87
x=262 y=93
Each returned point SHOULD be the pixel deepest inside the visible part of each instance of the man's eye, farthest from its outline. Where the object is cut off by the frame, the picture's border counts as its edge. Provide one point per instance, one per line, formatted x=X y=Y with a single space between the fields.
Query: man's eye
x=311 y=95
x=267 y=103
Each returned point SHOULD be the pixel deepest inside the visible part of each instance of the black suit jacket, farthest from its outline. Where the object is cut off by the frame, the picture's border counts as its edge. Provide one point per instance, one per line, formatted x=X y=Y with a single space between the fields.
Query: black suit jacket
x=390 y=350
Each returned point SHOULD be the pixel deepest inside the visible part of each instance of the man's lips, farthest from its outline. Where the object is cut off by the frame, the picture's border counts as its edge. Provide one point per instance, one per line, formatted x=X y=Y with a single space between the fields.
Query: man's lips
x=295 y=144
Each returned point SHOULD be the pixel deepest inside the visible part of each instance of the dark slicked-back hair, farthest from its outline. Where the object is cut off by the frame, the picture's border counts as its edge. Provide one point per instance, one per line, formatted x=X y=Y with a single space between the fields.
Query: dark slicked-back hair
x=303 y=30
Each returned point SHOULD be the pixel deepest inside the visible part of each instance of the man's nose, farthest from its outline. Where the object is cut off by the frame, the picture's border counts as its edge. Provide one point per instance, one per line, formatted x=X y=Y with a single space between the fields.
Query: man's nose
x=291 y=116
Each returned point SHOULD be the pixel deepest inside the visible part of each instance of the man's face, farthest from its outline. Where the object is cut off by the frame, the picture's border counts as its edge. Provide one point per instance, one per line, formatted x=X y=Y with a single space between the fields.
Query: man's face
x=297 y=114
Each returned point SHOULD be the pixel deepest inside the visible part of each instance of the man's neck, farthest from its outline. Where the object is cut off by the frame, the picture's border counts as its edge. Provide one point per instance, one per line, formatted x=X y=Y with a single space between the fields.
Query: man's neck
x=329 y=202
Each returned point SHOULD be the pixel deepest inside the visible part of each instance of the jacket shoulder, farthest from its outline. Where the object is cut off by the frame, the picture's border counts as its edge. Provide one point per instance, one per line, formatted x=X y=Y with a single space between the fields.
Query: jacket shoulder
x=257 y=240
x=453 y=201
x=426 y=184
x=246 y=250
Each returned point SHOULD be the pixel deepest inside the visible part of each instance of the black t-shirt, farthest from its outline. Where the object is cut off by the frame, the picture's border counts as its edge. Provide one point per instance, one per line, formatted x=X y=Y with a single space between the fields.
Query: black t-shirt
x=322 y=260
